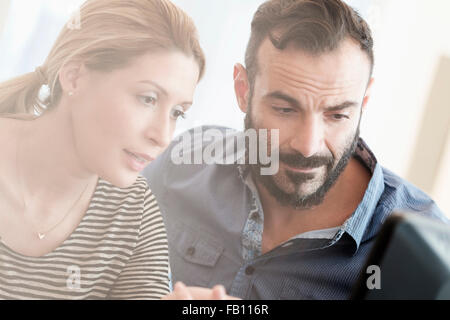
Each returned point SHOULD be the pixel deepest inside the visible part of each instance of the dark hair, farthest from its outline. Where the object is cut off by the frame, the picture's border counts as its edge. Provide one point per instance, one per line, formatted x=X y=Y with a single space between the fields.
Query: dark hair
x=316 y=26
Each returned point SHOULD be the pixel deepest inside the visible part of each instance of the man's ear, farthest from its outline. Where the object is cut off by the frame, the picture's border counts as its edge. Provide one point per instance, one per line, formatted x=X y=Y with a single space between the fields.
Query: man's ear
x=367 y=95
x=241 y=86
x=69 y=77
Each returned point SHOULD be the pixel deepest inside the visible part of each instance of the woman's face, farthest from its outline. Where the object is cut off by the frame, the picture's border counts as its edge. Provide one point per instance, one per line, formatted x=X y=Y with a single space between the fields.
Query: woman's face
x=124 y=119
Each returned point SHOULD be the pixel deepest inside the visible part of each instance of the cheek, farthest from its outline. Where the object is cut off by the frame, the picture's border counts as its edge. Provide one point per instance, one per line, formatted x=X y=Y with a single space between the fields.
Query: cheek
x=118 y=114
x=103 y=124
x=117 y=118
x=262 y=117
x=339 y=142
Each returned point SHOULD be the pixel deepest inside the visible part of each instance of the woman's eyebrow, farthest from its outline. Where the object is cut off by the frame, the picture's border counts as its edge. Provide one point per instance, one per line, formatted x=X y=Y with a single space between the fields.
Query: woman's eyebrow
x=157 y=86
x=164 y=91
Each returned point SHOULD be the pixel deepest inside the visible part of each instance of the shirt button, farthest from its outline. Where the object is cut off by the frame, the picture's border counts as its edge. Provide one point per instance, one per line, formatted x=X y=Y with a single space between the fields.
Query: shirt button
x=254 y=216
x=249 y=270
x=190 y=251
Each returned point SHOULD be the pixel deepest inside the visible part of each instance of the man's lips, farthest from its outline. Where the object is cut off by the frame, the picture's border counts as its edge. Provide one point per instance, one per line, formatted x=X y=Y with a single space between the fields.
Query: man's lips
x=301 y=169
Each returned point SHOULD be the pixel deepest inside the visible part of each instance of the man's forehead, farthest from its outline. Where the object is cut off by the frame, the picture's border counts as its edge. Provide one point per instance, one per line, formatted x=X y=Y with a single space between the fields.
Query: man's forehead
x=348 y=65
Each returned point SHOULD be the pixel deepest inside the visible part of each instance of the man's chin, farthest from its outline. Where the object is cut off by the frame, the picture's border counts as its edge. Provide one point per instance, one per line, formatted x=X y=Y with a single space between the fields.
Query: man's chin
x=301 y=191
x=298 y=196
x=298 y=185
x=300 y=202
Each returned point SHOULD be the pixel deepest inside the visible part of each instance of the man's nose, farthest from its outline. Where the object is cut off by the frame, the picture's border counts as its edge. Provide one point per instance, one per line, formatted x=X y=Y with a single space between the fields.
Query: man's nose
x=308 y=136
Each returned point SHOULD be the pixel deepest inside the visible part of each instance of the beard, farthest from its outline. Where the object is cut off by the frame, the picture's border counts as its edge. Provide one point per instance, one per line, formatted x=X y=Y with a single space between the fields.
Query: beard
x=298 y=198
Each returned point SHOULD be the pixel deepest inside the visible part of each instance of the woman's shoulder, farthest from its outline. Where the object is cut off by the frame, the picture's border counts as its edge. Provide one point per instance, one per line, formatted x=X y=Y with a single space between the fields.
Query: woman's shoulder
x=9 y=131
x=137 y=201
x=138 y=189
x=12 y=126
x=138 y=194
x=135 y=204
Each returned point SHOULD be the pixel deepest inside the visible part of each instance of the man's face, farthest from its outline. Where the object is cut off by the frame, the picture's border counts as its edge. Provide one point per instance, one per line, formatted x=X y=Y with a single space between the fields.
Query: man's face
x=315 y=102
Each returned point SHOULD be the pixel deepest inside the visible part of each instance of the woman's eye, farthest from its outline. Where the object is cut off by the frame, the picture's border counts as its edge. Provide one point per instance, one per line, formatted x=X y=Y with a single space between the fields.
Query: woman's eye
x=178 y=112
x=148 y=100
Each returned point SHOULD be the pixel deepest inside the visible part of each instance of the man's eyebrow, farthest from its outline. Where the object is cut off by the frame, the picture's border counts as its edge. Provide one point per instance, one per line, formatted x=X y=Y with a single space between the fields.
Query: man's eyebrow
x=163 y=91
x=342 y=106
x=282 y=96
x=295 y=103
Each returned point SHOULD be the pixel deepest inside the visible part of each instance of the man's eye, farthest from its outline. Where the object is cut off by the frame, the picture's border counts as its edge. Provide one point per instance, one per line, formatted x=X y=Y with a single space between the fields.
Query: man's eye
x=339 y=116
x=178 y=112
x=283 y=110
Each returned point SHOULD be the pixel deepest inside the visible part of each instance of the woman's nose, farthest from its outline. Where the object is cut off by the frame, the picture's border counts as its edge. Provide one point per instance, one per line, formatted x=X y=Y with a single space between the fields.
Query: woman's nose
x=160 y=130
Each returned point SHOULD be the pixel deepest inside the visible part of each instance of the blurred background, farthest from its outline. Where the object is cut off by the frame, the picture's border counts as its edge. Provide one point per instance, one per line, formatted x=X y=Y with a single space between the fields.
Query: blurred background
x=408 y=119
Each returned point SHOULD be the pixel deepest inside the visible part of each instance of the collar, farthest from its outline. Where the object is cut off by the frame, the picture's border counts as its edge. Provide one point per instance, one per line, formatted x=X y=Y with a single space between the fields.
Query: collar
x=355 y=226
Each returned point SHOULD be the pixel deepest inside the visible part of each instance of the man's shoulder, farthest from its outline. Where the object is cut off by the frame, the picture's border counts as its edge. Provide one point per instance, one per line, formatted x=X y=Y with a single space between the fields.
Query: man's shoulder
x=201 y=136
x=401 y=195
x=193 y=157
x=199 y=146
x=206 y=128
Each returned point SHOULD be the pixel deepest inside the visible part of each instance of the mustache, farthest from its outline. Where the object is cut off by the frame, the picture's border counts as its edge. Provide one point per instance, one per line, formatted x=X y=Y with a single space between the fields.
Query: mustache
x=297 y=160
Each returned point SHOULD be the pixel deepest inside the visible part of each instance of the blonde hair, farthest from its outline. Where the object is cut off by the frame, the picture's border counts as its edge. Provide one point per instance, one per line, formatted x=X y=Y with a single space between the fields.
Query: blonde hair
x=112 y=32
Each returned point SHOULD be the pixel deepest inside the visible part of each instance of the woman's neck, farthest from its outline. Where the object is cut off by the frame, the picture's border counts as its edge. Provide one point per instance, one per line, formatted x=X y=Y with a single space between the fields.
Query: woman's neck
x=50 y=171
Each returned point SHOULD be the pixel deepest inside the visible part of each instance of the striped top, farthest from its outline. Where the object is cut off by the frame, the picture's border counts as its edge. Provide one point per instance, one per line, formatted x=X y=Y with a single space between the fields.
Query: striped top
x=118 y=251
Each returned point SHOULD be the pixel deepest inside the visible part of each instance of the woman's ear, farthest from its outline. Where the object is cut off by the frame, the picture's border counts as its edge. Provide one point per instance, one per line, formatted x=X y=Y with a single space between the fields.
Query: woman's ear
x=241 y=86
x=69 y=77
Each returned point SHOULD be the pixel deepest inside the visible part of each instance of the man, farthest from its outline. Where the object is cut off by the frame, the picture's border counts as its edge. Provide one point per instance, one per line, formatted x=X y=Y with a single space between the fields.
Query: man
x=305 y=231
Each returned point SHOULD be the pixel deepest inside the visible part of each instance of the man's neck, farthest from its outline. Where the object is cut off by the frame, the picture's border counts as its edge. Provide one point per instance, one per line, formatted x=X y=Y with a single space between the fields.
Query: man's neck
x=282 y=223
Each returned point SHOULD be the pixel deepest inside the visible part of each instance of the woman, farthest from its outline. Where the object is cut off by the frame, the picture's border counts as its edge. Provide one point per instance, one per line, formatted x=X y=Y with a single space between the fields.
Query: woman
x=76 y=219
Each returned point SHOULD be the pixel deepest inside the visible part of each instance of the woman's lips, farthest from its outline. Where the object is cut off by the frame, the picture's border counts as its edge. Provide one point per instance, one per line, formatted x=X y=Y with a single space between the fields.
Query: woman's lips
x=137 y=161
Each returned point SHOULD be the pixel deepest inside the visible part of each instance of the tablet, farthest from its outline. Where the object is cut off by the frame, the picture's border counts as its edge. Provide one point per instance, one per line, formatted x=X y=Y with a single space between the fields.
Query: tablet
x=410 y=259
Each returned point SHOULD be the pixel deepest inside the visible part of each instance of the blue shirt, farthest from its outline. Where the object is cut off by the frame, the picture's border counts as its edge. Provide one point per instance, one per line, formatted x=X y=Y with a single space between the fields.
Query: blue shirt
x=214 y=221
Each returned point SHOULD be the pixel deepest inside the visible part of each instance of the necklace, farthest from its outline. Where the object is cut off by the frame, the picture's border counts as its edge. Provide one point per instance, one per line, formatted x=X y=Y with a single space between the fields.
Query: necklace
x=42 y=235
